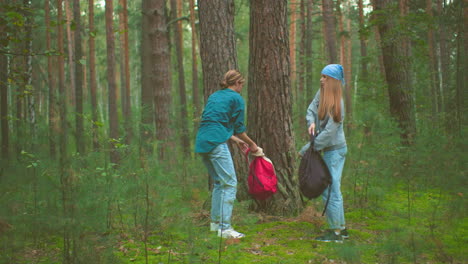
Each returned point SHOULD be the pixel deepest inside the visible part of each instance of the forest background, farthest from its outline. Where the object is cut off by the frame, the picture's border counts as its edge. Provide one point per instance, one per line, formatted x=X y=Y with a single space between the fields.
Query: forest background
x=100 y=102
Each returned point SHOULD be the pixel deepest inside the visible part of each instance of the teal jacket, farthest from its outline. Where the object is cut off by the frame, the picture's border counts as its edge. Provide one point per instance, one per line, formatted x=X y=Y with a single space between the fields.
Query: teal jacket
x=222 y=117
x=330 y=133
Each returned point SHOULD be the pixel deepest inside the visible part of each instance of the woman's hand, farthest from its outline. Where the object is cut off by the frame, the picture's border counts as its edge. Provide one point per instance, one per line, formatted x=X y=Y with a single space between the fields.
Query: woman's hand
x=240 y=143
x=312 y=129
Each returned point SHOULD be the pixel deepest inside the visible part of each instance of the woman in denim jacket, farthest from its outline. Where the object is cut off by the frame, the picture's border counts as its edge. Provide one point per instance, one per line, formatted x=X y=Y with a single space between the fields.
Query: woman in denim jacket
x=325 y=117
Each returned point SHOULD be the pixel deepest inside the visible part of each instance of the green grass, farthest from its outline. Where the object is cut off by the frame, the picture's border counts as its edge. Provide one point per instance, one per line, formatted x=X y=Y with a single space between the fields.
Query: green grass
x=393 y=213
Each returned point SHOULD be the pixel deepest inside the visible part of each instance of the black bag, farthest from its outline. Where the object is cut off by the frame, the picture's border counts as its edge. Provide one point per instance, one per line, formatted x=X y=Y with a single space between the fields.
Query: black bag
x=314 y=176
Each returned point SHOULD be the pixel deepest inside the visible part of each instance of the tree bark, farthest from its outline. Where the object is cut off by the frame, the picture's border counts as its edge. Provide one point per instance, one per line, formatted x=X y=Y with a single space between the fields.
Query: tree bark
x=61 y=85
x=329 y=31
x=270 y=107
x=217 y=42
x=4 y=95
x=53 y=126
x=125 y=73
x=92 y=75
x=31 y=92
x=178 y=39
x=309 y=53
x=111 y=83
x=292 y=41
x=195 y=89
x=70 y=41
x=218 y=55
x=444 y=57
x=80 y=140
x=348 y=71
x=147 y=94
x=161 y=76
x=363 y=40
x=397 y=70
x=433 y=69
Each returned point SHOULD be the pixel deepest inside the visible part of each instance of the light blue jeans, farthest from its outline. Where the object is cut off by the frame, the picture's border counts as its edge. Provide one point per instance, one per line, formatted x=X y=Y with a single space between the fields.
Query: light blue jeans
x=221 y=169
x=335 y=160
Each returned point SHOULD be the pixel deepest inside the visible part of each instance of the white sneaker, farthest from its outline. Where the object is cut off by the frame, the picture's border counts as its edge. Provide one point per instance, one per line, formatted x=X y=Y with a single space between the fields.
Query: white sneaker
x=230 y=233
x=214 y=227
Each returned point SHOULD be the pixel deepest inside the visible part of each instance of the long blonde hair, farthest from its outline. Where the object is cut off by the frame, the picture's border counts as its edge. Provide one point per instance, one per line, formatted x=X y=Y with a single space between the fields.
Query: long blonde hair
x=330 y=99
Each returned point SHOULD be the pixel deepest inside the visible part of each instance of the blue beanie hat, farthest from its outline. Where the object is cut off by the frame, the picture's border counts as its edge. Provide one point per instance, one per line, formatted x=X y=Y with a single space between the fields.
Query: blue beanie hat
x=335 y=71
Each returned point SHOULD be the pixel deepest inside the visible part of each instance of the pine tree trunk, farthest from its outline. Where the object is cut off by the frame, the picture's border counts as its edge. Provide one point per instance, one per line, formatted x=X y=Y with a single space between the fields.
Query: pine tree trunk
x=444 y=64
x=63 y=136
x=61 y=86
x=363 y=41
x=461 y=65
x=309 y=53
x=433 y=69
x=270 y=106
x=300 y=97
x=217 y=42
x=341 y=32
x=4 y=96
x=80 y=144
x=53 y=126
x=111 y=83
x=184 y=136
x=71 y=44
x=218 y=55
x=147 y=110
x=195 y=89
x=330 y=31
x=161 y=77
x=125 y=73
x=92 y=75
x=31 y=91
x=397 y=70
x=292 y=41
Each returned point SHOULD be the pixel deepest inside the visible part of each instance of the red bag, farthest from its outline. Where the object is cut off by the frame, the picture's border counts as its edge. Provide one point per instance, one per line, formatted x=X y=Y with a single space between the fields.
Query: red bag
x=262 y=179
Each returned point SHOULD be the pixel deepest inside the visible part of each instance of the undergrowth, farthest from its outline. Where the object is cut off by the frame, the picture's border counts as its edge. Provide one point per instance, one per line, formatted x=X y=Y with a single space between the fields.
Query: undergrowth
x=403 y=205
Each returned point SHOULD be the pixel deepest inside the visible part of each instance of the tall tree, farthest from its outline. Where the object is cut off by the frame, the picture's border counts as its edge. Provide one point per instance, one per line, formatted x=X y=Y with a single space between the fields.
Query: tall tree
x=397 y=69
x=53 y=125
x=125 y=72
x=78 y=78
x=444 y=58
x=63 y=136
x=218 y=55
x=176 y=7
x=433 y=68
x=195 y=89
x=92 y=74
x=329 y=31
x=147 y=117
x=161 y=76
x=461 y=62
x=292 y=40
x=363 y=40
x=309 y=51
x=28 y=74
x=70 y=46
x=270 y=107
x=111 y=82
x=4 y=91
x=217 y=42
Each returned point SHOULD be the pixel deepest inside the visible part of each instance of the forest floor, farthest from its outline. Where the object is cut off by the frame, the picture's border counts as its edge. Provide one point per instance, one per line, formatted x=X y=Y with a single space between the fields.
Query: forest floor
x=377 y=235
x=393 y=232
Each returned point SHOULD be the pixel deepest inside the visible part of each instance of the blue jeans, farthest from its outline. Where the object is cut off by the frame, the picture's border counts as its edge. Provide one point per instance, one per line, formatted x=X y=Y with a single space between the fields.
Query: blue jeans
x=335 y=160
x=221 y=169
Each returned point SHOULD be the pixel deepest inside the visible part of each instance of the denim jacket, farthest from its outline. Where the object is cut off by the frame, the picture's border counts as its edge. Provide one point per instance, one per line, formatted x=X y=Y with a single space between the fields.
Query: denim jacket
x=330 y=133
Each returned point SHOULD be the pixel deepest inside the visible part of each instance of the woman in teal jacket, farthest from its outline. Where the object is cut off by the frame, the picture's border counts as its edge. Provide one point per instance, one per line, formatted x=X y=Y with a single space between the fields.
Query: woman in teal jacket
x=223 y=119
